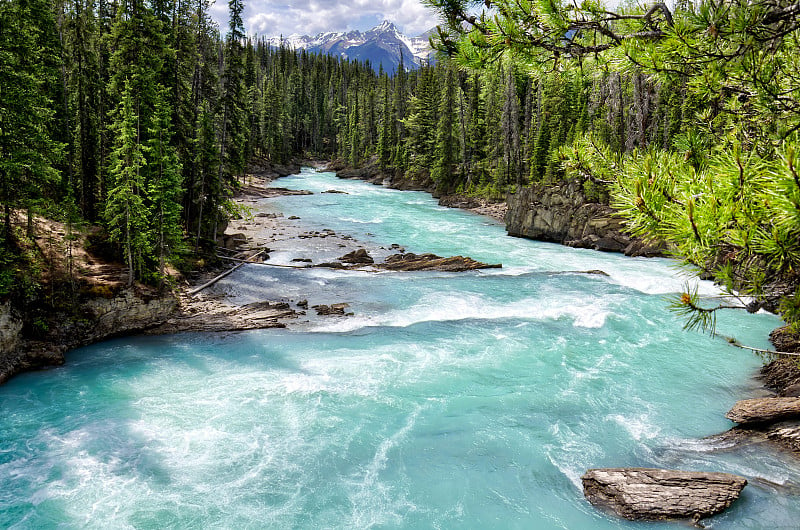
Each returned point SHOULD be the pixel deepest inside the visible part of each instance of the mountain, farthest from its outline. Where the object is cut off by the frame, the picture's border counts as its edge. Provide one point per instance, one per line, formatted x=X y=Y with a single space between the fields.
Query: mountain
x=381 y=46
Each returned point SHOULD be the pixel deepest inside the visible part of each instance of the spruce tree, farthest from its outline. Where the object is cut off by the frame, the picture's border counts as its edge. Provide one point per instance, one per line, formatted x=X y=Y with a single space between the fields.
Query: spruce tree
x=387 y=125
x=125 y=212
x=27 y=150
x=446 y=143
x=164 y=186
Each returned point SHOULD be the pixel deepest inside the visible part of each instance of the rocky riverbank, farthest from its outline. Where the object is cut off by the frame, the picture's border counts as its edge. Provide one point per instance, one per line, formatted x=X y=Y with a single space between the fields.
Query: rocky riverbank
x=103 y=307
x=85 y=299
x=372 y=173
x=563 y=213
x=773 y=419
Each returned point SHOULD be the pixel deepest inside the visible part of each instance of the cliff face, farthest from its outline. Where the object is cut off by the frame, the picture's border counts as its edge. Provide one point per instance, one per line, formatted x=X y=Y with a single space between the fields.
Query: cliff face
x=23 y=349
x=563 y=214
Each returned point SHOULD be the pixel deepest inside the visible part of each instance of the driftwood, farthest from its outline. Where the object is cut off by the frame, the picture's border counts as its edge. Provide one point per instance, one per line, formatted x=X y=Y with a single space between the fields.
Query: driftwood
x=221 y=276
x=658 y=494
x=765 y=410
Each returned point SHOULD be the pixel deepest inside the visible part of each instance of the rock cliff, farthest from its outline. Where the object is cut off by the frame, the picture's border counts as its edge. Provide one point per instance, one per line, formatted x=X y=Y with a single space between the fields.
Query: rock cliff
x=563 y=214
x=24 y=348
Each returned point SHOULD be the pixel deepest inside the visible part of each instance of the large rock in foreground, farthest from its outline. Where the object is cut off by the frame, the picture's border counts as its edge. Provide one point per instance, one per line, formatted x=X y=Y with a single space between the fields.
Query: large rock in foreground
x=657 y=494
x=765 y=410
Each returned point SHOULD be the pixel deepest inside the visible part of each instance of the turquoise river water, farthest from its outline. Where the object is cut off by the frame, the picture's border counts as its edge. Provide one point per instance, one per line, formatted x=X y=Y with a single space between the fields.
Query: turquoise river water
x=469 y=400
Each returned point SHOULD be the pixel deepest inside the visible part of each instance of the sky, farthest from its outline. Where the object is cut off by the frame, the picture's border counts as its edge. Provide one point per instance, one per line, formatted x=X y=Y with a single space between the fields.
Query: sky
x=309 y=17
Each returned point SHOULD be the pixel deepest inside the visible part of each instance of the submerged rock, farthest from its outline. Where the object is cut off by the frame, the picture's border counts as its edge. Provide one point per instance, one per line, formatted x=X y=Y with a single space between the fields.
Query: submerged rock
x=765 y=410
x=657 y=494
x=431 y=262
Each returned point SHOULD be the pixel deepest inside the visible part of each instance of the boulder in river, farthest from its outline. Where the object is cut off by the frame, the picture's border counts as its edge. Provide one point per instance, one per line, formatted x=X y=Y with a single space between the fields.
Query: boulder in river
x=658 y=494
x=333 y=309
x=765 y=410
x=358 y=257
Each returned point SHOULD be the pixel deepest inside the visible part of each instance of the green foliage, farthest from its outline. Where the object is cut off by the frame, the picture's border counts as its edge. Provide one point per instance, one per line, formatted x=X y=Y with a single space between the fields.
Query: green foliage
x=125 y=213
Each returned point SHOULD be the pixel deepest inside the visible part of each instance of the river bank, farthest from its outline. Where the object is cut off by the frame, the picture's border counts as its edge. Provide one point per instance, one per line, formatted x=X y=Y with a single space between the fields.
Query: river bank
x=104 y=308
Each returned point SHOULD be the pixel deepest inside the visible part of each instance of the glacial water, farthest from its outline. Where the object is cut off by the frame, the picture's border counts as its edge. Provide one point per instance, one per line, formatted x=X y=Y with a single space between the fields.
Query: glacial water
x=469 y=400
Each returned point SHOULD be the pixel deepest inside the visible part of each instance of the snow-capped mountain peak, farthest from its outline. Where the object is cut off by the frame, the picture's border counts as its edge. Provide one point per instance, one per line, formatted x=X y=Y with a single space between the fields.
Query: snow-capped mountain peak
x=385 y=26
x=381 y=46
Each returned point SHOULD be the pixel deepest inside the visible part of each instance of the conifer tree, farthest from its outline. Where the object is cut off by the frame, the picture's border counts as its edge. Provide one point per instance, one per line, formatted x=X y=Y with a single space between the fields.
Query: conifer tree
x=209 y=193
x=509 y=125
x=234 y=134
x=27 y=150
x=164 y=191
x=354 y=133
x=125 y=212
x=446 y=143
x=387 y=125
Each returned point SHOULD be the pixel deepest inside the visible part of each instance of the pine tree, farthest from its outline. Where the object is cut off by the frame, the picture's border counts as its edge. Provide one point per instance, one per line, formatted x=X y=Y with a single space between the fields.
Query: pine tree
x=509 y=125
x=208 y=190
x=354 y=133
x=387 y=125
x=164 y=186
x=27 y=150
x=446 y=144
x=125 y=212
x=234 y=134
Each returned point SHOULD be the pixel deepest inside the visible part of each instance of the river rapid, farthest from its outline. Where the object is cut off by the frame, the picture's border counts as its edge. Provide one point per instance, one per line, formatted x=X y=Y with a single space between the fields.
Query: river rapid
x=463 y=400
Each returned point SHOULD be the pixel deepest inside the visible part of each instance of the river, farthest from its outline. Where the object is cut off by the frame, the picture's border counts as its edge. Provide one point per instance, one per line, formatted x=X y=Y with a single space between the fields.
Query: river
x=464 y=400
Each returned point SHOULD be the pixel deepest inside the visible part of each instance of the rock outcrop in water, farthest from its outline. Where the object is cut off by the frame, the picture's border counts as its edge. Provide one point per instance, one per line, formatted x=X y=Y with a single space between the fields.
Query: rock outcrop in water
x=432 y=262
x=409 y=262
x=765 y=410
x=357 y=257
x=773 y=420
x=658 y=494
x=562 y=213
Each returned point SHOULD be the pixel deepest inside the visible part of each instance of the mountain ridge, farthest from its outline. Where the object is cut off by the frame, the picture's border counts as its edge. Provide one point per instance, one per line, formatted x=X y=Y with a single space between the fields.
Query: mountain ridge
x=382 y=46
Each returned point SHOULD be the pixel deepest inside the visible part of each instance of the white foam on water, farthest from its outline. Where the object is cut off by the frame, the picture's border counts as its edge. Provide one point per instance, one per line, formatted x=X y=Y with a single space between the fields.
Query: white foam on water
x=374 y=501
x=373 y=221
x=572 y=454
x=639 y=426
x=587 y=312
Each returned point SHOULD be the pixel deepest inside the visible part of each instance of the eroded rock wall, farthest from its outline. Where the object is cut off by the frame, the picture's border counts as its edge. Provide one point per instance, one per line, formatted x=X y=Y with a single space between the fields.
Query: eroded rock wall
x=562 y=213
x=98 y=319
x=10 y=328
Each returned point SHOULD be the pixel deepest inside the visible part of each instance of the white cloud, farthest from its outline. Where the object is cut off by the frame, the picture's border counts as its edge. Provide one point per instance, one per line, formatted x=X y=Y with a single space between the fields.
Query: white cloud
x=309 y=17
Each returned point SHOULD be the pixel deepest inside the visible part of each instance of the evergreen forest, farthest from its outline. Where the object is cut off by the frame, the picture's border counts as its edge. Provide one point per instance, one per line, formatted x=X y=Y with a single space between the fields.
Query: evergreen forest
x=142 y=116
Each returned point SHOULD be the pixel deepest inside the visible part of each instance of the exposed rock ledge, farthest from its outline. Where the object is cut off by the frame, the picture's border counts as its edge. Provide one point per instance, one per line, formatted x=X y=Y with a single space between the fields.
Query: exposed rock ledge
x=100 y=318
x=765 y=410
x=658 y=494
x=562 y=213
x=432 y=262
x=774 y=420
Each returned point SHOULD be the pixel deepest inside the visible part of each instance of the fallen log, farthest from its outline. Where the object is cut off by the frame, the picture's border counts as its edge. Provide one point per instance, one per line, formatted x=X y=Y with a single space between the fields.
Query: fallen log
x=221 y=276
x=659 y=494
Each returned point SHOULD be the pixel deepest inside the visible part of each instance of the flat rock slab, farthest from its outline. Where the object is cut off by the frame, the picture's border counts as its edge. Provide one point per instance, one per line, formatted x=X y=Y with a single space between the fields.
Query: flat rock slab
x=658 y=494
x=765 y=410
